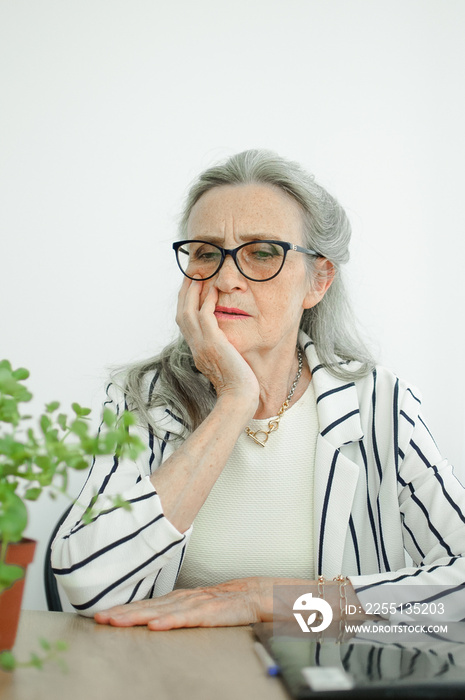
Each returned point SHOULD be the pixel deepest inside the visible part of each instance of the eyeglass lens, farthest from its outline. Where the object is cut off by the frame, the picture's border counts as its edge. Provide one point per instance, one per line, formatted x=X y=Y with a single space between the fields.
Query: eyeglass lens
x=258 y=260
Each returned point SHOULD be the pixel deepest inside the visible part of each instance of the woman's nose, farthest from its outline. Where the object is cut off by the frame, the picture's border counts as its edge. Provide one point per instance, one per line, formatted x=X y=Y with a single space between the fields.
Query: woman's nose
x=229 y=276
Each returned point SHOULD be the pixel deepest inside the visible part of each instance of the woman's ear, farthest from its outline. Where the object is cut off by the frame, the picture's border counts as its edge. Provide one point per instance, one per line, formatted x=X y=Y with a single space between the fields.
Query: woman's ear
x=322 y=279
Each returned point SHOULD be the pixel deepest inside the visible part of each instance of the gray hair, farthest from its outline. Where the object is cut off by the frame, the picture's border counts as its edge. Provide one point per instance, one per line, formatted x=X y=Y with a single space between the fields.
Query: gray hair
x=330 y=324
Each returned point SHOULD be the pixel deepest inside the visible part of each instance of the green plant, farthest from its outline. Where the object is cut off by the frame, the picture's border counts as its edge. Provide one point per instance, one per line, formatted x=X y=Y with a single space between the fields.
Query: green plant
x=50 y=651
x=34 y=459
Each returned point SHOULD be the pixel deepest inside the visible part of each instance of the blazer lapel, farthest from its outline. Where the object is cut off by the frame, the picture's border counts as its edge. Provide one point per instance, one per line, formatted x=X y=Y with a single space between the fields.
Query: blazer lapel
x=336 y=475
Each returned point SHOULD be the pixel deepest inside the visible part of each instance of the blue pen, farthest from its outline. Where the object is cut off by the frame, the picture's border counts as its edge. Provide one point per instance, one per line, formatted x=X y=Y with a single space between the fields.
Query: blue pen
x=270 y=665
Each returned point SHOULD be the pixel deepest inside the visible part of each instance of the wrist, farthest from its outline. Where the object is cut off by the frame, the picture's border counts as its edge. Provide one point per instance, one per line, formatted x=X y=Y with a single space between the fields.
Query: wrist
x=242 y=403
x=265 y=599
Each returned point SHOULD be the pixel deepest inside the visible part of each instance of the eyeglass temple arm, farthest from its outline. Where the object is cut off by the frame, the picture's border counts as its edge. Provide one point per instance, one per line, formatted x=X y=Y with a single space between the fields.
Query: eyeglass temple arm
x=299 y=249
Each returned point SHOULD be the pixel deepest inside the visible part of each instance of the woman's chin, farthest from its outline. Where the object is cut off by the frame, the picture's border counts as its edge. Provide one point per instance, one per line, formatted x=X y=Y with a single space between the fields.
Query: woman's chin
x=237 y=339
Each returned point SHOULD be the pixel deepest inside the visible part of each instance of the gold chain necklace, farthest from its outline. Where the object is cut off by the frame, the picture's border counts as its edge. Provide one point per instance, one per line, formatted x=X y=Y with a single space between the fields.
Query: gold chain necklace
x=273 y=424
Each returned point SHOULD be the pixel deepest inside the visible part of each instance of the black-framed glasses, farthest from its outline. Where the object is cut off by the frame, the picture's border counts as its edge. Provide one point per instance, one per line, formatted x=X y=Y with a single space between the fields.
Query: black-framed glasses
x=259 y=260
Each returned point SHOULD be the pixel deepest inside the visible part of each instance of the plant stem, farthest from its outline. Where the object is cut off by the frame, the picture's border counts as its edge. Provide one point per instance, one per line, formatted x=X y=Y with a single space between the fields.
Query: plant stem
x=3 y=548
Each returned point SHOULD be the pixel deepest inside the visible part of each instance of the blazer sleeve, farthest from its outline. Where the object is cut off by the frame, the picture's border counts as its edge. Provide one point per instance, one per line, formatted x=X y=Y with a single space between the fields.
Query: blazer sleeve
x=120 y=555
x=432 y=511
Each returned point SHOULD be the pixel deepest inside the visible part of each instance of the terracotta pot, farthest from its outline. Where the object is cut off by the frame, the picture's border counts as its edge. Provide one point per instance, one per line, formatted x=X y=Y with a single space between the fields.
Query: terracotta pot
x=21 y=554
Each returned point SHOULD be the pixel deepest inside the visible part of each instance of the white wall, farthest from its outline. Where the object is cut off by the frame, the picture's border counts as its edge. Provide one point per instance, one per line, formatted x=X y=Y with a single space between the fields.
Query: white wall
x=109 y=109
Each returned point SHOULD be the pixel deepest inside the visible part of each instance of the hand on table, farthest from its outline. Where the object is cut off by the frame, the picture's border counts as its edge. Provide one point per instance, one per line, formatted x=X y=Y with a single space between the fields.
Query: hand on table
x=236 y=602
x=233 y=603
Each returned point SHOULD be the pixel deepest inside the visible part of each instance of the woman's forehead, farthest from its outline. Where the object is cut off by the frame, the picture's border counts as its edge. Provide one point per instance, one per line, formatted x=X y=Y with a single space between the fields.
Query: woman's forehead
x=245 y=209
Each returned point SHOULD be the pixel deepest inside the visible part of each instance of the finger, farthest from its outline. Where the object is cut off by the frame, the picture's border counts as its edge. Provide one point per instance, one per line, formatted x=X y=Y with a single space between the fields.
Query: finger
x=193 y=292
x=119 y=611
x=132 y=619
x=191 y=298
x=210 y=301
x=189 y=304
x=207 y=311
x=195 y=613
x=177 y=620
x=186 y=283
x=121 y=619
x=129 y=617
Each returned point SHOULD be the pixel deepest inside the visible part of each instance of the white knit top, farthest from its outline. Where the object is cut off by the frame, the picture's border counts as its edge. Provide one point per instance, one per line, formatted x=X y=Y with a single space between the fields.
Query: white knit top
x=258 y=517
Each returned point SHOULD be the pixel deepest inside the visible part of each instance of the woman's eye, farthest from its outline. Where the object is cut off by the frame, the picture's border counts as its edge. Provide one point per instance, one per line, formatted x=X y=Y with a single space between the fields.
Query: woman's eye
x=206 y=254
x=264 y=252
x=211 y=257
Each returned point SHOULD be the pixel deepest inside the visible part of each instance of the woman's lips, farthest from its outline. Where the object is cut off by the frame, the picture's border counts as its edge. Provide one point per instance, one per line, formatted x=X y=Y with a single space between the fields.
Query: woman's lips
x=230 y=312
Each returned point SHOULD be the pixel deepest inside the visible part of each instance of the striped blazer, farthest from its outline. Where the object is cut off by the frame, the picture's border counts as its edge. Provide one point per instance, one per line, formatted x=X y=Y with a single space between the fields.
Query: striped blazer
x=381 y=489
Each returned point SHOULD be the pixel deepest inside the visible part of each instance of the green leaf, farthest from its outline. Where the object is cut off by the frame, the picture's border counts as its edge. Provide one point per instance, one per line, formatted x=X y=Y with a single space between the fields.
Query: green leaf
x=80 y=410
x=9 y=410
x=127 y=419
x=7 y=661
x=78 y=463
x=45 y=644
x=9 y=574
x=52 y=436
x=11 y=386
x=36 y=661
x=107 y=444
x=32 y=437
x=17 y=450
x=33 y=493
x=133 y=452
x=61 y=645
x=109 y=418
x=45 y=479
x=53 y=406
x=45 y=423
x=79 y=428
x=65 y=481
x=87 y=517
x=21 y=373
x=7 y=445
x=62 y=421
x=44 y=462
x=13 y=515
x=120 y=502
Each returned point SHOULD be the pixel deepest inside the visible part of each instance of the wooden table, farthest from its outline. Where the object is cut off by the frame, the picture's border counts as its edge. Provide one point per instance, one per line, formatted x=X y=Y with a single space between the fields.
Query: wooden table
x=107 y=662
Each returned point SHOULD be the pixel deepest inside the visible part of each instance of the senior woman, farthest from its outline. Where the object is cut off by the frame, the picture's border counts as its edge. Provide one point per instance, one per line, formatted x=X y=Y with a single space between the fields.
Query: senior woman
x=276 y=452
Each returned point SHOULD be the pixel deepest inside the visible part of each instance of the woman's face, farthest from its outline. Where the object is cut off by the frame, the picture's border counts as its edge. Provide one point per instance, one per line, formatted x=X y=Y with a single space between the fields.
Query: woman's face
x=230 y=215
